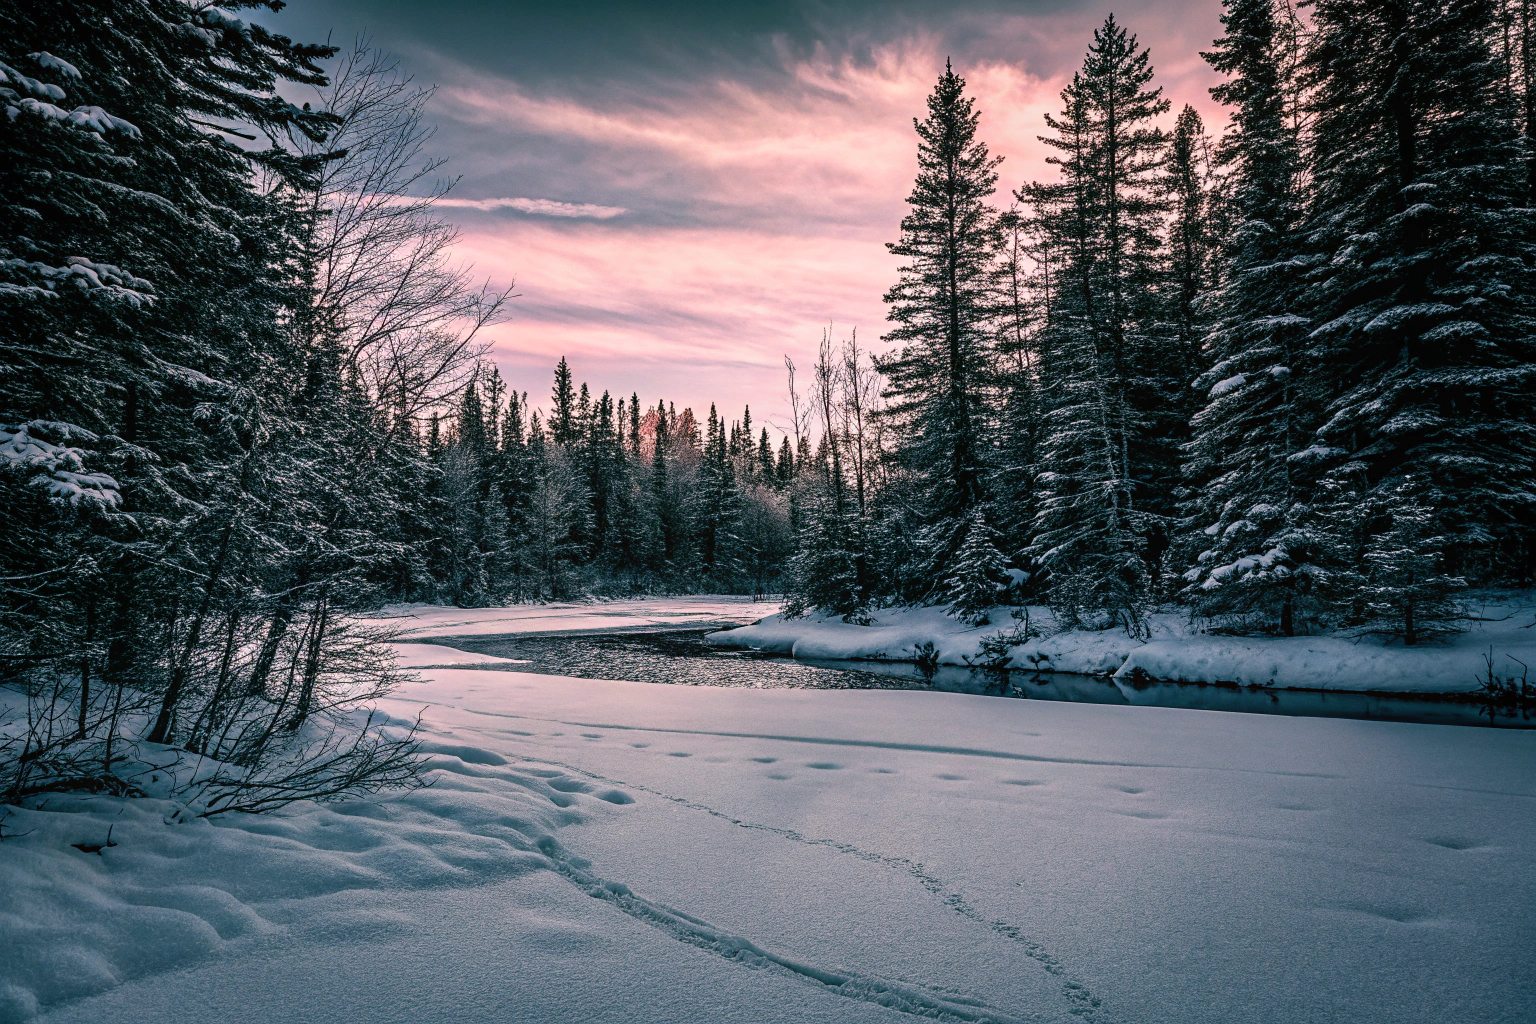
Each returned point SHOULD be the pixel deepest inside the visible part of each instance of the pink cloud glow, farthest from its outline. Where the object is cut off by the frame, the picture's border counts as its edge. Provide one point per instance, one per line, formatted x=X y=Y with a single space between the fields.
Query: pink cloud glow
x=774 y=207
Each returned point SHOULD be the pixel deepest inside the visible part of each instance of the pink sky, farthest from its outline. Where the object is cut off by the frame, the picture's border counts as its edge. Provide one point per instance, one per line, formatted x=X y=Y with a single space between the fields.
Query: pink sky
x=680 y=241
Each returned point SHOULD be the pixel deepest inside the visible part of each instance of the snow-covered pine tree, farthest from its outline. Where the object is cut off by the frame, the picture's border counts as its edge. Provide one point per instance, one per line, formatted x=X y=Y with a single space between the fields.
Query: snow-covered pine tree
x=1405 y=589
x=824 y=574
x=1026 y=284
x=944 y=308
x=1259 y=556
x=1105 y=349
x=977 y=574
x=604 y=457
x=1422 y=336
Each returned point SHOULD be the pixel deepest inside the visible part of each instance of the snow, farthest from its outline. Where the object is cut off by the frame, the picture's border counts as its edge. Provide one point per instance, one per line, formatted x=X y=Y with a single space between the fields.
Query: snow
x=1175 y=652
x=420 y=620
x=612 y=851
x=10 y=76
x=58 y=469
x=59 y=64
x=415 y=656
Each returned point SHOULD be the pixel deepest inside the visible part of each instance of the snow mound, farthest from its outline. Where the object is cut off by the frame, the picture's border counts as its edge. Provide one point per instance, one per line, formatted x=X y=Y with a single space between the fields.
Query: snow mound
x=96 y=891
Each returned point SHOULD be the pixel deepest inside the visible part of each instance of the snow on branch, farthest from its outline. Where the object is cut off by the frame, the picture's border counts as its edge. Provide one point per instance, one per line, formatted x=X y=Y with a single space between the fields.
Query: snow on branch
x=57 y=468
x=60 y=65
x=100 y=280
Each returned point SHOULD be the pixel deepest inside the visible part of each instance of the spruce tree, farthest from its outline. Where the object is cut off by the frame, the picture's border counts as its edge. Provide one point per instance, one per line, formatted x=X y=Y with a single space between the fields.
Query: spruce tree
x=1189 y=241
x=978 y=574
x=944 y=306
x=718 y=506
x=1405 y=589
x=562 y=416
x=784 y=470
x=1104 y=475
x=1260 y=555
x=1421 y=336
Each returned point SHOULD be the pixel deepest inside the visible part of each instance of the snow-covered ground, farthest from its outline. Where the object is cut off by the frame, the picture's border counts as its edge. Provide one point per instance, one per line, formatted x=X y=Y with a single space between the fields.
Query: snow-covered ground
x=614 y=851
x=1176 y=652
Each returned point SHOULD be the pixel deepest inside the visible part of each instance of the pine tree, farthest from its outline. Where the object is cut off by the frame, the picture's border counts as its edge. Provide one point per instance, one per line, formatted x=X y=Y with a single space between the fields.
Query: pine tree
x=718 y=505
x=825 y=574
x=944 y=307
x=666 y=513
x=978 y=574
x=634 y=425
x=1423 y=347
x=1190 y=242
x=562 y=418
x=785 y=469
x=765 y=470
x=1262 y=556
x=1103 y=490
x=1405 y=588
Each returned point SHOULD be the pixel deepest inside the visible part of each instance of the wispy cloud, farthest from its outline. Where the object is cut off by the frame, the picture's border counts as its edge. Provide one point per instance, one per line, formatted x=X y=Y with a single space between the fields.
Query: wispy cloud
x=747 y=199
x=537 y=207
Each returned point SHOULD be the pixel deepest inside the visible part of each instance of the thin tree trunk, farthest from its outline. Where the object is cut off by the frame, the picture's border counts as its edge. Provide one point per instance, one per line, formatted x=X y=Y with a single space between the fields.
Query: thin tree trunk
x=312 y=661
x=221 y=688
x=85 y=666
x=162 y=730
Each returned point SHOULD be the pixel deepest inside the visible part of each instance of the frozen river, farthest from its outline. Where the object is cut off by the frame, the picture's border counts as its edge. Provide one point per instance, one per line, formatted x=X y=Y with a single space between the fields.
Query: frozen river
x=681 y=656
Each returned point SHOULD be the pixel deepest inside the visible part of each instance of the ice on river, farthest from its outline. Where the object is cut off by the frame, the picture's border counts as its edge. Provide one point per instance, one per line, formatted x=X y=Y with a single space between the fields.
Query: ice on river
x=617 y=851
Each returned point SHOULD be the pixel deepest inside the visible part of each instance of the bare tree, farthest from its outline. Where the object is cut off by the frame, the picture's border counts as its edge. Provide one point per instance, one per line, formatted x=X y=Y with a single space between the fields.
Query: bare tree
x=860 y=400
x=383 y=280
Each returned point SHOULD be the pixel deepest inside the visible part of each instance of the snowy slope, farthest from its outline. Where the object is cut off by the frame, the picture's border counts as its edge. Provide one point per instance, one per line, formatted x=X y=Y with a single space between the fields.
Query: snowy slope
x=612 y=851
x=1176 y=652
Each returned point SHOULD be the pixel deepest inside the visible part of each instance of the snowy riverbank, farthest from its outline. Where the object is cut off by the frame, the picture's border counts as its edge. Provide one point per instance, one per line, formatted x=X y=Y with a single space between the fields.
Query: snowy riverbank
x=1176 y=652
x=626 y=852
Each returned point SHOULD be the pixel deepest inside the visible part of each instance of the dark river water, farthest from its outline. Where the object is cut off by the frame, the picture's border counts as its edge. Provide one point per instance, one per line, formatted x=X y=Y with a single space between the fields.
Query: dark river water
x=682 y=657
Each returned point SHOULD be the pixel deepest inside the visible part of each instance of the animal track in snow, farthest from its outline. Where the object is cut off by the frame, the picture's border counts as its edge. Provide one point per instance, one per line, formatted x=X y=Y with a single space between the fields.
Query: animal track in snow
x=1456 y=843
x=1081 y=1001
x=913 y=1000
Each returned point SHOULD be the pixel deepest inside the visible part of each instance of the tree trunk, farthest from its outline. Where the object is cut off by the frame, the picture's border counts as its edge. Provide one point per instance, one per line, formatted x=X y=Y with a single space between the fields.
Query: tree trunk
x=85 y=666
x=162 y=731
x=312 y=662
x=281 y=618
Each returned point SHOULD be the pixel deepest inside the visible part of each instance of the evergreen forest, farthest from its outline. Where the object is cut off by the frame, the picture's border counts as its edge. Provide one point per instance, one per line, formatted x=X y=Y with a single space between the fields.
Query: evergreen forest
x=1281 y=374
